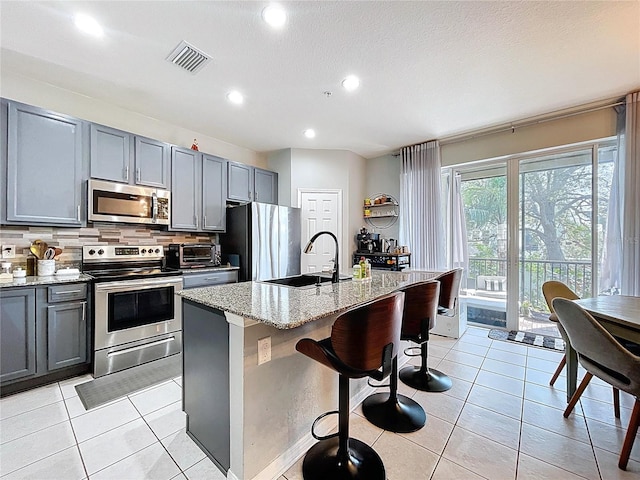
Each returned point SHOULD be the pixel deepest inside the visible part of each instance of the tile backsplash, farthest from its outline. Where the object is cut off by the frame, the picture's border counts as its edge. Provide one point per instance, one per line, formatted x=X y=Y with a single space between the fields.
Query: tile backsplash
x=71 y=240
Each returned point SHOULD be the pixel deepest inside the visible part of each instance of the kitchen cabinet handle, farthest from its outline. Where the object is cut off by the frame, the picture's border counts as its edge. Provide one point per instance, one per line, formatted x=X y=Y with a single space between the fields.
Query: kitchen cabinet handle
x=211 y=278
x=204 y=222
x=68 y=292
x=126 y=173
x=137 y=175
x=84 y=312
x=78 y=213
x=196 y=218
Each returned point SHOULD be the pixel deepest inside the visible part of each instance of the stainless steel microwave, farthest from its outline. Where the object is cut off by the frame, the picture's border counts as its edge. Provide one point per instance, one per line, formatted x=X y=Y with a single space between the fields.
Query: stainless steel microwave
x=117 y=202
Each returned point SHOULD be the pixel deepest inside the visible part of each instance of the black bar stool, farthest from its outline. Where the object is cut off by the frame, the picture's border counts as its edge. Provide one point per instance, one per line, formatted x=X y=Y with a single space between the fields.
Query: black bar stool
x=363 y=342
x=424 y=310
x=393 y=411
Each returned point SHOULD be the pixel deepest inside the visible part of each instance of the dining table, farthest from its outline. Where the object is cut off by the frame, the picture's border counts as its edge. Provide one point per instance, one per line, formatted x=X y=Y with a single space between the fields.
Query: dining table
x=619 y=314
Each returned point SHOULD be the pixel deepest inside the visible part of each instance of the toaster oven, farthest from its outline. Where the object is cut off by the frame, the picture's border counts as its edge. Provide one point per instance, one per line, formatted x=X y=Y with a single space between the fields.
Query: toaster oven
x=193 y=255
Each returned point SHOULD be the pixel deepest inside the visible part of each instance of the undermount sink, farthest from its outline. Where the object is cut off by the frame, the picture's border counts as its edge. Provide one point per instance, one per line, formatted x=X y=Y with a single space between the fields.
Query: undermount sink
x=301 y=281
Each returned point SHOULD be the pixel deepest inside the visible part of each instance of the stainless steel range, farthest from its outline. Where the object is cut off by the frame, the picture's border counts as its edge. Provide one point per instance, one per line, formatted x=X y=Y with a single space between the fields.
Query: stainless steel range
x=137 y=318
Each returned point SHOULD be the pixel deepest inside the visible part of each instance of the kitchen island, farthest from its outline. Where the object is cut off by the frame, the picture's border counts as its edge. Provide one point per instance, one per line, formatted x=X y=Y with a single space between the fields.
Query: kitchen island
x=253 y=420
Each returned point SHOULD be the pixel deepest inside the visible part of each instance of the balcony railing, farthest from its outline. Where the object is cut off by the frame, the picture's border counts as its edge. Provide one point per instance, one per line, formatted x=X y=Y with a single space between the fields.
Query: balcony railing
x=576 y=274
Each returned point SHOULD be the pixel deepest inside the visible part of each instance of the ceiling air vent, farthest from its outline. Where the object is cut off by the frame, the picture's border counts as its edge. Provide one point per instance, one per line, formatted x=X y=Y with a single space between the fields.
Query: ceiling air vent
x=188 y=57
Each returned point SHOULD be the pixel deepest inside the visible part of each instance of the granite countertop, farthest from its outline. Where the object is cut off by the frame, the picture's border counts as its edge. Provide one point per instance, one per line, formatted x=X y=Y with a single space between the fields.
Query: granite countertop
x=285 y=307
x=49 y=280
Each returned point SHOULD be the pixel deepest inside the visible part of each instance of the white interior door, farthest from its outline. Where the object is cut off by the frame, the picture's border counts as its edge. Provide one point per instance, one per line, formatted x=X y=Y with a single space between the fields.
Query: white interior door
x=321 y=210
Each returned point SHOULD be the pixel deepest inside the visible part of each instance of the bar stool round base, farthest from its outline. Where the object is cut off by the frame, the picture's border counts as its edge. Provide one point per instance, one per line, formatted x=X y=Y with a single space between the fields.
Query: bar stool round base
x=400 y=415
x=322 y=463
x=425 y=381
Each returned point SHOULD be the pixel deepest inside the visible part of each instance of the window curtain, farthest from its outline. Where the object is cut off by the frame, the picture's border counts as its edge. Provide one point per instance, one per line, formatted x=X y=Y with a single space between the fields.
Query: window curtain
x=459 y=251
x=611 y=266
x=630 y=281
x=420 y=219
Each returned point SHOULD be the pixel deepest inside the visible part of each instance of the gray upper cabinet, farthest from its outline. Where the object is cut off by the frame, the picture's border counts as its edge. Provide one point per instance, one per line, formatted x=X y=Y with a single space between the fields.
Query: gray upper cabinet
x=185 y=189
x=110 y=154
x=214 y=193
x=44 y=171
x=123 y=157
x=265 y=186
x=151 y=162
x=248 y=184
x=198 y=191
x=17 y=333
x=240 y=182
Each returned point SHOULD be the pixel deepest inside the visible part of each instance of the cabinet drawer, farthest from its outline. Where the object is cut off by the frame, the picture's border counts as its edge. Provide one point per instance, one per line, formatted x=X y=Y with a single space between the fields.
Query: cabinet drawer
x=209 y=278
x=65 y=293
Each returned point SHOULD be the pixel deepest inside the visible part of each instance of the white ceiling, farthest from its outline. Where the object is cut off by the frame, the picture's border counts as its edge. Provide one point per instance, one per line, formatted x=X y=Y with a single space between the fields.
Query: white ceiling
x=428 y=69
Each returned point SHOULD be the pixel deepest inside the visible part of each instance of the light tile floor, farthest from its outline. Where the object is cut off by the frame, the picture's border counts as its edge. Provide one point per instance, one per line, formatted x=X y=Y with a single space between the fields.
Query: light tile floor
x=501 y=420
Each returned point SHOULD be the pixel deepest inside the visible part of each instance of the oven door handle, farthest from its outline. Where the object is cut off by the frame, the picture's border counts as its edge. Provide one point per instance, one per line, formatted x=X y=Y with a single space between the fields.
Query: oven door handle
x=140 y=347
x=137 y=284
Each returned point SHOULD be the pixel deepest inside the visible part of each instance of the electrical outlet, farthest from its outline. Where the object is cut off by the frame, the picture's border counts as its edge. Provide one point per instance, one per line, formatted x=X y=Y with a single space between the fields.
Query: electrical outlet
x=8 y=251
x=264 y=350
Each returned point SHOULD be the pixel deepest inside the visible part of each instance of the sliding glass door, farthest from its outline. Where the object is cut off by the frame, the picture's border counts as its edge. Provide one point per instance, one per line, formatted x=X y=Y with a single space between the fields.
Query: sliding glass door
x=484 y=197
x=530 y=219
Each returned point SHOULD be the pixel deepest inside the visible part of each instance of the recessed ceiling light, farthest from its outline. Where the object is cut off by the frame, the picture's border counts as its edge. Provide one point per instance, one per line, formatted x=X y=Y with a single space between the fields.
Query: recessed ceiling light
x=235 y=96
x=274 y=15
x=351 y=83
x=88 y=25
x=310 y=133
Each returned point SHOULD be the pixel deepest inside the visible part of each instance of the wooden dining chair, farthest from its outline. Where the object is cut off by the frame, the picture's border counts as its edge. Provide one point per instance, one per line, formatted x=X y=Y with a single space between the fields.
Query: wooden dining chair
x=554 y=289
x=603 y=356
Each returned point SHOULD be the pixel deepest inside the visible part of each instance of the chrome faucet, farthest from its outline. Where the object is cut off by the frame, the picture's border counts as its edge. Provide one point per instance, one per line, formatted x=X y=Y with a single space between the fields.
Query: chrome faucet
x=335 y=276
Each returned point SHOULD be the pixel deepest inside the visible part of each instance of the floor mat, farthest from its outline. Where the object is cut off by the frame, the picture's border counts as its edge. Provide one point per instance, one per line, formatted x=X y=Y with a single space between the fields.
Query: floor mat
x=533 y=339
x=105 y=389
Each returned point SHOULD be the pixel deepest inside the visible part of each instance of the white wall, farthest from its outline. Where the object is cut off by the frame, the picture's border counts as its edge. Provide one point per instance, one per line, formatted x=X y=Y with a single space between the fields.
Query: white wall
x=383 y=176
x=329 y=169
x=280 y=161
x=565 y=131
x=45 y=95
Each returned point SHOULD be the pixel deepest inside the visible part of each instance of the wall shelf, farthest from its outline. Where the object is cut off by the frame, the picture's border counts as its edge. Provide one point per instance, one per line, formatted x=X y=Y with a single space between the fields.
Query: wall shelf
x=383 y=214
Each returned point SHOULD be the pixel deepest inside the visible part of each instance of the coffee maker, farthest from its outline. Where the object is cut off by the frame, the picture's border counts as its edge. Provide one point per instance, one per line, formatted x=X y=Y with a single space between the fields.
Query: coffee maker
x=368 y=242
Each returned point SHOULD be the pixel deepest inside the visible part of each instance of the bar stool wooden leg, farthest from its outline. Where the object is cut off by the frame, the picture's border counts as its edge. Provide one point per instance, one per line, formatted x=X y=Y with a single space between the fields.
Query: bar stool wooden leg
x=392 y=411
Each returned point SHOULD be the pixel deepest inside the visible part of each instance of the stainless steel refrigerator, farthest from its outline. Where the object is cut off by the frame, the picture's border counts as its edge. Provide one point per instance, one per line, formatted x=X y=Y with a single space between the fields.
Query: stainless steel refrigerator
x=266 y=238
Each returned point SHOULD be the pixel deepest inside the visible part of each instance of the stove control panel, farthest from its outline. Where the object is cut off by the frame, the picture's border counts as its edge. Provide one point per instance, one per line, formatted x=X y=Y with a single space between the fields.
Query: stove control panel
x=129 y=252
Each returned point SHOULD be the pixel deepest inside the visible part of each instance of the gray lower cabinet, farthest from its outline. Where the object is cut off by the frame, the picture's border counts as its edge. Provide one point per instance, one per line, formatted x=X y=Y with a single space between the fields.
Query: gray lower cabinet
x=205 y=380
x=212 y=277
x=17 y=333
x=45 y=167
x=198 y=191
x=249 y=184
x=123 y=157
x=43 y=330
x=66 y=334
